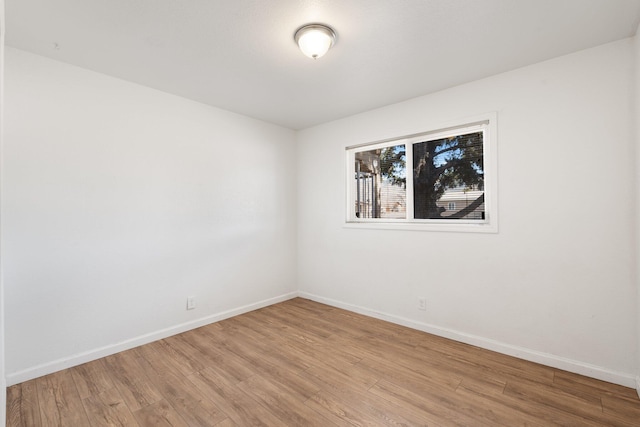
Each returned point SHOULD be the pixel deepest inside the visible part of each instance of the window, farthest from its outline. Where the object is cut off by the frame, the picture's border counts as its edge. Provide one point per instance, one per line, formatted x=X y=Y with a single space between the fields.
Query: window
x=439 y=180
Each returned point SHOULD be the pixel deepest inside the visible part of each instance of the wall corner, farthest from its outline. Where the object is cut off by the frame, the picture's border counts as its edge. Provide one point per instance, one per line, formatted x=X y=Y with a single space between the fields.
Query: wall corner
x=636 y=133
x=3 y=381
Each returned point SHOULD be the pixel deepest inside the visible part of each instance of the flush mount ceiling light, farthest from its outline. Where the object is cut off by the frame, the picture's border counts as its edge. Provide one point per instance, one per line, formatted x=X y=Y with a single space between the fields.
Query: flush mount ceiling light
x=314 y=40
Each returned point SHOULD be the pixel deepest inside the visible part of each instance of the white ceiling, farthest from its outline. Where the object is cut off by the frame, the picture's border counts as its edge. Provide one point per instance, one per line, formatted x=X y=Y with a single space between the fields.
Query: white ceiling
x=240 y=55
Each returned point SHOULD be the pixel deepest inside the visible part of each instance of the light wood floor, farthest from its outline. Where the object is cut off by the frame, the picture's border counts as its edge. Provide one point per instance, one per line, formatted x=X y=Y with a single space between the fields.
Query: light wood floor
x=300 y=363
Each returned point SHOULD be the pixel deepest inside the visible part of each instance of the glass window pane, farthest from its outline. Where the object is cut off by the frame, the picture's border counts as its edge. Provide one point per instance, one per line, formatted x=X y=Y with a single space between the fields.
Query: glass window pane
x=380 y=183
x=448 y=178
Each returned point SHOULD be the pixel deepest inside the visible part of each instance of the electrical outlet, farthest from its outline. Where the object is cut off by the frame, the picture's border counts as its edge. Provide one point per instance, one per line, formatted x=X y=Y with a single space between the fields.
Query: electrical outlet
x=191 y=303
x=422 y=304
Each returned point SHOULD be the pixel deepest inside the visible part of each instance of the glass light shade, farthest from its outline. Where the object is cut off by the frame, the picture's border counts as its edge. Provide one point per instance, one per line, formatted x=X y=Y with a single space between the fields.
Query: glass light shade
x=315 y=40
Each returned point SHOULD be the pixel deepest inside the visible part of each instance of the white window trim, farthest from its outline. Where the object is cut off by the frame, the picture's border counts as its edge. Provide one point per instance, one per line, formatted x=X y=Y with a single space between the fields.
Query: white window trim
x=488 y=123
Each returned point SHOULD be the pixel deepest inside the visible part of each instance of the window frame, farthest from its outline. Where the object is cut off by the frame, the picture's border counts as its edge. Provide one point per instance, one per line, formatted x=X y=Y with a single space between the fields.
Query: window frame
x=487 y=123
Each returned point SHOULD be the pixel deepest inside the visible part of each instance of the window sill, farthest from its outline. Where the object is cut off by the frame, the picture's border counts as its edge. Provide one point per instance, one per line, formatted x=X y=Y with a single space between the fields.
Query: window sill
x=485 y=227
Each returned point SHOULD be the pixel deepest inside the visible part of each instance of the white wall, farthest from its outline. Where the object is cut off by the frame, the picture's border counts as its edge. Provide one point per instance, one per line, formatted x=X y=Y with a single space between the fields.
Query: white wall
x=120 y=201
x=556 y=284
x=3 y=384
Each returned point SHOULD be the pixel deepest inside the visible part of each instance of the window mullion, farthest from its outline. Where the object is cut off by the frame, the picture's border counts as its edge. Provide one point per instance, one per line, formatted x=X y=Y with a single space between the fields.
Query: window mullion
x=409 y=180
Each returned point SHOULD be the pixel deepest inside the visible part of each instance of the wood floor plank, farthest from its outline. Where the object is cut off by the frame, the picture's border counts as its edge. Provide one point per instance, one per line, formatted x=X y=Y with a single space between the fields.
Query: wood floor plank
x=23 y=408
x=187 y=345
x=159 y=414
x=91 y=379
x=587 y=408
x=622 y=408
x=338 y=412
x=300 y=363
x=208 y=344
x=473 y=407
x=389 y=369
x=369 y=327
x=365 y=409
x=527 y=412
x=483 y=402
x=488 y=361
x=194 y=408
x=60 y=403
x=14 y=406
x=239 y=343
x=287 y=408
x=182 y=360
x=135 y=388
x=302 y=317
x=483 y=384
x=578 y=383
x=352 y=376
x=313 y=347
x=247 y=365
x=235 y=403
x=48 y=407
x=309 y=306
x=433 y=408
x=292 y=322
x=108 y=409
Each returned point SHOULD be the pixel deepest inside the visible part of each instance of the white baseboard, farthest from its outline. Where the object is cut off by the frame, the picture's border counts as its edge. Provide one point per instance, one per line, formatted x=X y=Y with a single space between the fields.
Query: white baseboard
x=624 y=379
x=638 y=385
x=79 y=359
